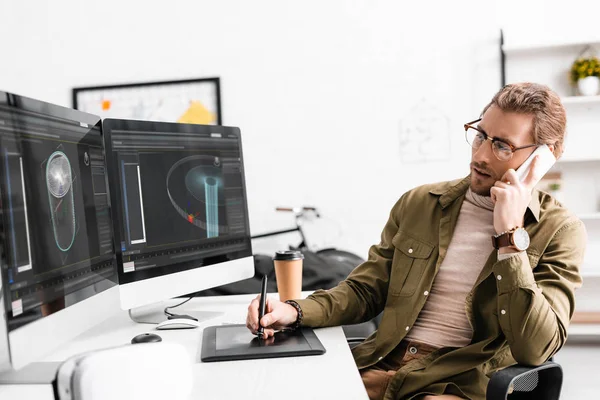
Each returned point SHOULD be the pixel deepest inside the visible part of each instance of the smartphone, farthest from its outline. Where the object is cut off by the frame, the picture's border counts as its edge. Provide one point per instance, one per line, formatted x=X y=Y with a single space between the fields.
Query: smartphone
x=545 y=162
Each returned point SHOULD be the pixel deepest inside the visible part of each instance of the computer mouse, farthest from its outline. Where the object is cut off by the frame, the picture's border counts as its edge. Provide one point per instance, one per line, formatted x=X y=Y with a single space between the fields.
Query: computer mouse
x=178 y=323
x=146 y=338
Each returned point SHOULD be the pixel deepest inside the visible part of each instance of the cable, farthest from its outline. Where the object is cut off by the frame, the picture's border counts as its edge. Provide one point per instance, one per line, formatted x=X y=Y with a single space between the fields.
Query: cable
x=177 y=305
x=169 y=315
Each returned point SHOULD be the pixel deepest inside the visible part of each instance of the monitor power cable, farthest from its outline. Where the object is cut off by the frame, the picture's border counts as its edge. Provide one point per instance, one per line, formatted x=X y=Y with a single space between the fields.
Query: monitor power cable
x=178 y=316
x=167 y=313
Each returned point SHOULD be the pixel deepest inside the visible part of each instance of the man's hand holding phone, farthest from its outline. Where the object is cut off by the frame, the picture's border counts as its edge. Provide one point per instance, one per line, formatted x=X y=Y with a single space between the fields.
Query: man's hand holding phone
x=511 y=198
x=512 y=194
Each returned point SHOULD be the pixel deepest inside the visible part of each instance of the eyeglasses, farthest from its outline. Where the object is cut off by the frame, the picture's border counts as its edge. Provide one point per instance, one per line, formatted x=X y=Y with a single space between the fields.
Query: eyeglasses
x=502 y=150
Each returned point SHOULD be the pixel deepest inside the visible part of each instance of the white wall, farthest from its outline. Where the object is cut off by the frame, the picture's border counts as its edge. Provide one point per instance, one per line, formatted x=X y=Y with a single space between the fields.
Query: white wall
x=319 y=90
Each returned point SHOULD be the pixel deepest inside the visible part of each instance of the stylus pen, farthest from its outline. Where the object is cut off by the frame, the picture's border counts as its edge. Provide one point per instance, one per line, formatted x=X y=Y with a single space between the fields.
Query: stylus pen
x=262 y=306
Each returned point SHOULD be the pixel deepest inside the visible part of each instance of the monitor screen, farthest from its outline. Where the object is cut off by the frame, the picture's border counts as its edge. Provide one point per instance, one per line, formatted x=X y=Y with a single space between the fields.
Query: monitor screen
x=178 y=196
x=57 y=244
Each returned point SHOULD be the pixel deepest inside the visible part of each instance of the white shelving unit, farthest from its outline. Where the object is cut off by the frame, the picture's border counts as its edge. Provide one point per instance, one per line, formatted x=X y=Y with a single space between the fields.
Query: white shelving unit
x=589 y=216
x=571 y=160
x=515 y=49
x=584 y=330
x=584 y=100
x=590 y=271
x=550 y=63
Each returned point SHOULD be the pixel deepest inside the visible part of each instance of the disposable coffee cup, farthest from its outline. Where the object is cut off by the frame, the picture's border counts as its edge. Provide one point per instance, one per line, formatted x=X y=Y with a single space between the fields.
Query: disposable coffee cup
x=288 y=273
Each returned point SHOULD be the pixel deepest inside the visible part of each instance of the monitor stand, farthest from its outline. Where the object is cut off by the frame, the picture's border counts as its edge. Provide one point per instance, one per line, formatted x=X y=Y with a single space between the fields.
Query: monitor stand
x=155 y=313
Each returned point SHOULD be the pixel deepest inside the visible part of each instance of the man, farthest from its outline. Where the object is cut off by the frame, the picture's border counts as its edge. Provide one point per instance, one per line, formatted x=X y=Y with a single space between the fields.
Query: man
x=456 y=309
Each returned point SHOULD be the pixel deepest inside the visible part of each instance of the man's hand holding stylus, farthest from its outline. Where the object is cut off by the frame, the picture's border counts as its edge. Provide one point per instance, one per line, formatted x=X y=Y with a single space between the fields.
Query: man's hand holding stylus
x=278 y=316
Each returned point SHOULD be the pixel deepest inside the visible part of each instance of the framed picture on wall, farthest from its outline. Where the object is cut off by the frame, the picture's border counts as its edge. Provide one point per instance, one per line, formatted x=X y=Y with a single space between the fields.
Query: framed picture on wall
x=195 y=101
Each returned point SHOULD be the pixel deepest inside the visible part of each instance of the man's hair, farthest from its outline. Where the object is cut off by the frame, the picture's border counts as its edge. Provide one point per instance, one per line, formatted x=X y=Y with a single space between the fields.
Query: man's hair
x=549 y=116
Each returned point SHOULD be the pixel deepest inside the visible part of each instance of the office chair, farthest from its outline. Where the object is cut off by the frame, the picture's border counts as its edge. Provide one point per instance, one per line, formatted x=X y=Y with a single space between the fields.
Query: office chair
x=523 y=383
x=357 y=333
x=517 y=382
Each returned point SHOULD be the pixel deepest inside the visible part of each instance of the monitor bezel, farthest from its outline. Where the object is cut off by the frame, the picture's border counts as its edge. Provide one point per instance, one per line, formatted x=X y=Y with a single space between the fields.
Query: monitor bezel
x=111 y=124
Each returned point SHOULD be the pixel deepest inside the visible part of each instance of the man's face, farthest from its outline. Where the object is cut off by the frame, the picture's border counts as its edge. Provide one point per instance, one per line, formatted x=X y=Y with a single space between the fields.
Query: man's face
x=511 y=127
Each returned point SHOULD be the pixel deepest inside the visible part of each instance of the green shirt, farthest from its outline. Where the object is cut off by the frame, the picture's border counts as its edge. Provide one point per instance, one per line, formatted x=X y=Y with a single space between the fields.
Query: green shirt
x=519 y=308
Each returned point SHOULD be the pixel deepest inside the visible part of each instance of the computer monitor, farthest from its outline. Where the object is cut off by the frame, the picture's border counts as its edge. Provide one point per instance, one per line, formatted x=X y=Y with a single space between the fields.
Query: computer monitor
x=57 y=259
x=179 y=205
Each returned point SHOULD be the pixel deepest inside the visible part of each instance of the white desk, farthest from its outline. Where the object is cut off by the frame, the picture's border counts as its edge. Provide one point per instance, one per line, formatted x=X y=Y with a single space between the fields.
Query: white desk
x=332 y=375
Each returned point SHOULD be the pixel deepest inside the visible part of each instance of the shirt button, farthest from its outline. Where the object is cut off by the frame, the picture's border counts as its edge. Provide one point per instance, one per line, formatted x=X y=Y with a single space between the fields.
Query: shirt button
x=502 y=312
x=412 y=350
x=499 y=277
x=408 y=327
x=410 y=251
x=380 y=358
x=426 y=293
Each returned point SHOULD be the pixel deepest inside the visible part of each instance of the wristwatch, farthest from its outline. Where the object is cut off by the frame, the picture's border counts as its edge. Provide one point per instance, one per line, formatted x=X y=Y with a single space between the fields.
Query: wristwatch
x=517 y=238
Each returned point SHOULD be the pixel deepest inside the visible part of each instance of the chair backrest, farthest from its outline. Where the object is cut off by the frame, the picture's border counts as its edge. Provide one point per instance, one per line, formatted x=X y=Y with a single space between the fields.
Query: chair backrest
x=526 y=383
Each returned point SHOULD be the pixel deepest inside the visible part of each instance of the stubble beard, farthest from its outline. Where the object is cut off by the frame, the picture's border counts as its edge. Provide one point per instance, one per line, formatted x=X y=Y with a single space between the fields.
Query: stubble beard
x=478 y=187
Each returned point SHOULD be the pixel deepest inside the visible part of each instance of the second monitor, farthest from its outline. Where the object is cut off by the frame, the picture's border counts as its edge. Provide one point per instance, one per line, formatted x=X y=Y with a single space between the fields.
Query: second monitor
x=179 y=208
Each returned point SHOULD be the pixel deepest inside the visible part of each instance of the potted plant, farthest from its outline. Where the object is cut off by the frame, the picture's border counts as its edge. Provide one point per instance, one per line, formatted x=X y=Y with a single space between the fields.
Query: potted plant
x=585 y=72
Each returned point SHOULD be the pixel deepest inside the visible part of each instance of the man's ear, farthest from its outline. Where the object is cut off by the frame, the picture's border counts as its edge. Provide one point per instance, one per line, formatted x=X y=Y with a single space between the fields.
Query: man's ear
x=551 y=147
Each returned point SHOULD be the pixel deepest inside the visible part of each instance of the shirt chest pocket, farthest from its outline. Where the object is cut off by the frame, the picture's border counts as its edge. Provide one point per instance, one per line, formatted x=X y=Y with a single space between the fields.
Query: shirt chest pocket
x=411 y=257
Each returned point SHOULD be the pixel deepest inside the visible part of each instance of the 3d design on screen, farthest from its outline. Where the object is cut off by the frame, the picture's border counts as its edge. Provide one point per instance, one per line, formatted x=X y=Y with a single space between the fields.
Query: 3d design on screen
x=18 y=221
x=59 y=182
x=211 y=187
x=202 y=176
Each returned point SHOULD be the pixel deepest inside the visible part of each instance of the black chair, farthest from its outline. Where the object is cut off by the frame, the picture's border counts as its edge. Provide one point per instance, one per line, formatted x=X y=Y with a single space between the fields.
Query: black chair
x=357 y=333
x=512 y=383
x=524 y=383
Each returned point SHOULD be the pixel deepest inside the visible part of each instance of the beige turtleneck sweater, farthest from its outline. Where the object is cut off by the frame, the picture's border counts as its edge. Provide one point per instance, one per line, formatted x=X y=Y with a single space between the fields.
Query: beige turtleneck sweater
x=443 y=320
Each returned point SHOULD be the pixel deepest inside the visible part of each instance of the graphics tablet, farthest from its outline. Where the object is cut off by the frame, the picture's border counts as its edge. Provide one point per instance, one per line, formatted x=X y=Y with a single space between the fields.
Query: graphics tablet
x=236 y=342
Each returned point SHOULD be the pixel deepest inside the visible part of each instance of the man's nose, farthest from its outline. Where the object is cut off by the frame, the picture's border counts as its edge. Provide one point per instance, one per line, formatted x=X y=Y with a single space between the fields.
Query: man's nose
x=484 y=152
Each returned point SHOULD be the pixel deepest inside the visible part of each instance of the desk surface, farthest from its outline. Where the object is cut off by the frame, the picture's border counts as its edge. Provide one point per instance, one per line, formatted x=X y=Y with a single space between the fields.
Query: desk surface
x=332 y=375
